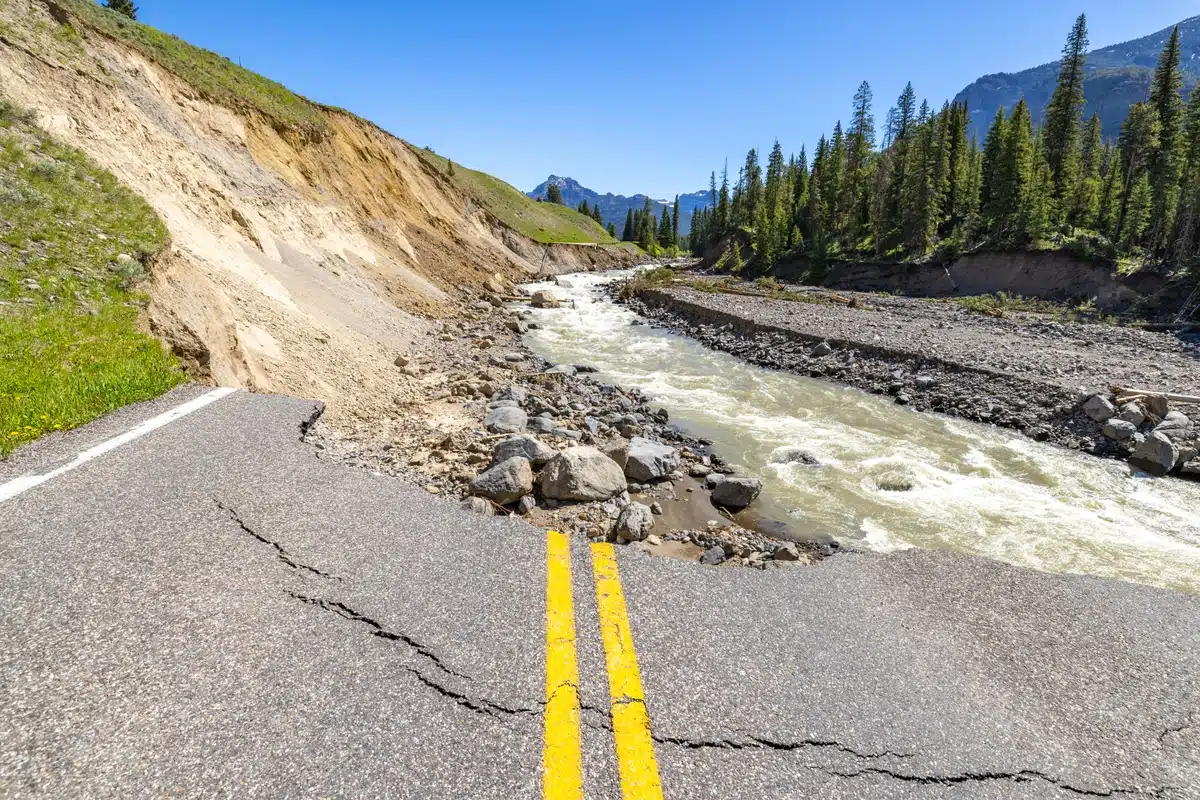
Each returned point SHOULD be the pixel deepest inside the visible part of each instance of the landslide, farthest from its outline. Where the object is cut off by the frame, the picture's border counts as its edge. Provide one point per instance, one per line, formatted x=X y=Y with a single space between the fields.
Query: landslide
x=308 y=246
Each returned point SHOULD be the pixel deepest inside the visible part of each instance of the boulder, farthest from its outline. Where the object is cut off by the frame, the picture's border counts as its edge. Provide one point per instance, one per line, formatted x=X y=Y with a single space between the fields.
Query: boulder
x=526 y=504
x=822 y=349
x=786 y=551
x=582 y=473
x=1191 y=468
x=1098 y=408
x=1132 y=413
x=713 y=479
x=1157 y=455
x=1119 y=430
x=516 y=326
x=494 y=285
x=617 y=450
x=925 y=382
x=562 y=369
x=794 y=455
x=477 y=505
x=401 y=361
x=736 y=493
x=543 y=299
x=633 y=523
x=1175 y=426
x=505 y=420
x=507 y=482
x=511 y=392
x=525 y=446
x=648 y=460
x=713 y=556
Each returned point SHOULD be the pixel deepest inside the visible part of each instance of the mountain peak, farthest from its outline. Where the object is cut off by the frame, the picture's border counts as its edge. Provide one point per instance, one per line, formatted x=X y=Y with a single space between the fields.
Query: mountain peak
x=614 y=207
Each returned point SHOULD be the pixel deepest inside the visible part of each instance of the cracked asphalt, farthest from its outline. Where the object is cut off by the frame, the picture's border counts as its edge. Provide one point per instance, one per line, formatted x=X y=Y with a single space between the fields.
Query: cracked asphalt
x=210 y=611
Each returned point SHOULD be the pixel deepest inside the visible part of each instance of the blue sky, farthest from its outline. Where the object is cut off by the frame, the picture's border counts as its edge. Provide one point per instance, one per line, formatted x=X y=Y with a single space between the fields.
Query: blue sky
x=633 y=97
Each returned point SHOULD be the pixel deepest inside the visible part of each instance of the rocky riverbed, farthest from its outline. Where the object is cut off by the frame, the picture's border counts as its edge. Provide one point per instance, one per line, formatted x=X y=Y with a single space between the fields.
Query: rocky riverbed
x=502 y=431
x=1047 y=379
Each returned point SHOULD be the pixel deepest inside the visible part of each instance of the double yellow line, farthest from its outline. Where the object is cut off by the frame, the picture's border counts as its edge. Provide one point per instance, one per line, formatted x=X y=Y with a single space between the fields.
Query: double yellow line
x=562 y=752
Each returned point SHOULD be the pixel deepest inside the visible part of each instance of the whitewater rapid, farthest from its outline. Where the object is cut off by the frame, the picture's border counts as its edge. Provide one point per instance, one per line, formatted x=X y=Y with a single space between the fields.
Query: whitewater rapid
x=973 y=488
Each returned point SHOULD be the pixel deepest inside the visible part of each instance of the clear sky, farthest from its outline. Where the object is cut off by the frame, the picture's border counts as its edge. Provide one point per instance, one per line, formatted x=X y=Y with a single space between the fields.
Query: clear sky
x=640 y=96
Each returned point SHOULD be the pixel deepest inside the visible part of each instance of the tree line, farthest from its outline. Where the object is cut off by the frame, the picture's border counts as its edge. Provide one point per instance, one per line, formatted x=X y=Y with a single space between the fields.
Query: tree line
x=650 y=231
x=925 y=189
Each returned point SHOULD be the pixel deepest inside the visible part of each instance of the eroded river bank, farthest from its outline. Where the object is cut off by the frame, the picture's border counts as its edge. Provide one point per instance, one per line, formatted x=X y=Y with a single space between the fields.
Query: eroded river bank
x=885 y=476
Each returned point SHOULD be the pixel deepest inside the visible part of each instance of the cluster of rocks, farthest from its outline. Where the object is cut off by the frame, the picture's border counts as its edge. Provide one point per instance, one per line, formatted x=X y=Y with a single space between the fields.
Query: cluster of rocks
x=931 y=382
x=1149 y=433
x=733 y=545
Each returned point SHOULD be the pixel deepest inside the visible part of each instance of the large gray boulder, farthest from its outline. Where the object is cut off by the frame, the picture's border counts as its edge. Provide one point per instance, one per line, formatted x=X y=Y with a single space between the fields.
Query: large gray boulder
x=736 y=493
x=582 y=473
x=506 y=482
x=633 y=523
x=1119 y=430
x=648 y=460
x=1098 y=408
x=617 y=450
x=1133 y=412
x=525 y=446
x=1175 y=426
x=543 y=299
x=1157 y=455
x=505 y=419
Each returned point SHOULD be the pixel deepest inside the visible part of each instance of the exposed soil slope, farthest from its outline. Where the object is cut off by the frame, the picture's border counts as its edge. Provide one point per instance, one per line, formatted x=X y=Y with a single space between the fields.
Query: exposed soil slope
x=308 y=246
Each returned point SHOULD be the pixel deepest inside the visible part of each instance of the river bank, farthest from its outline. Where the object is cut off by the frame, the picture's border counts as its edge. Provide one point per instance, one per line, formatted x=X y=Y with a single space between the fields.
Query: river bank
x=1031 y=374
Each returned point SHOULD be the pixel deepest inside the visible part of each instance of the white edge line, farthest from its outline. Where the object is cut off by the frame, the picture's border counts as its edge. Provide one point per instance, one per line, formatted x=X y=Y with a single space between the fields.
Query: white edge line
x=26 y=482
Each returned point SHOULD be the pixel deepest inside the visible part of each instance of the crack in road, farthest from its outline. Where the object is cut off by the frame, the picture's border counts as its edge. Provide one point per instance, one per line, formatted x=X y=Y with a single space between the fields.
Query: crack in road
x=1021 y=776
x=478 y=705
x=760 y=743
x=280 y=553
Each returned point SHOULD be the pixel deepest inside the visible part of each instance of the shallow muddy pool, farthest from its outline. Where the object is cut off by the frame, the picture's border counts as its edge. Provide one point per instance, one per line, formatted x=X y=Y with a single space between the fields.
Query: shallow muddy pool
x=888 y=477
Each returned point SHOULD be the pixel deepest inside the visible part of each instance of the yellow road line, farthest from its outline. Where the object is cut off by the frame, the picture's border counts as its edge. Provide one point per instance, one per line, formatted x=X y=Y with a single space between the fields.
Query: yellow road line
x=631 y=720
x=562 y=748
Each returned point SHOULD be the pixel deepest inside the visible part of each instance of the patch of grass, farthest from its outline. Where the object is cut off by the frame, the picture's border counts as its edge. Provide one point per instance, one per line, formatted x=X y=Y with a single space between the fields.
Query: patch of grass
x=213 y=75
x=72 y=244
x=547 y=223
x=1001 y=304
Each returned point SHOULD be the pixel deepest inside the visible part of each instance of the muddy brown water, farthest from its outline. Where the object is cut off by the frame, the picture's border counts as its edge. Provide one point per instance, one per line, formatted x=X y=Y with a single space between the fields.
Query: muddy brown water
x=889 y=478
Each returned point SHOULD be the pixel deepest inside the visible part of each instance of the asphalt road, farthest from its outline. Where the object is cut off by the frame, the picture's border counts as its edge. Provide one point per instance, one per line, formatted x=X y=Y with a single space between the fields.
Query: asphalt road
x=211 y=611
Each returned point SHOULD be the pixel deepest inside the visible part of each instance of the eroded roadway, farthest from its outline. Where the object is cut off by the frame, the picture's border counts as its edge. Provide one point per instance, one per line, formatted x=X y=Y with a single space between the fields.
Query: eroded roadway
x=211 y=611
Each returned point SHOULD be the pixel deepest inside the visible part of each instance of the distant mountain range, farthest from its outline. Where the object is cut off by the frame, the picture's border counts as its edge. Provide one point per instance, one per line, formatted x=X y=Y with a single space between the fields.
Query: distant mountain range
x=1115 y=78
x=613 y=207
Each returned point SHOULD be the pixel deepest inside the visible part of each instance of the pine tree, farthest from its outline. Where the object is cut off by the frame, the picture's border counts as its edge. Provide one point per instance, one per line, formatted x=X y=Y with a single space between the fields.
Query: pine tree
x=1187 y=222
x=1014 y=174
x=1165 y=164
x=1064 y=115
x=584 y=208
x=906 y=107
x=957 y=166
x=554 y=194
x=675 y=223
x=612 y=230
x=1109 y=207
x=993 y=154
x=664 y=228
x=723 y=204
x=125 y=7
x=596 y=215
x=1139 y=146
x=646 y=228
x=1037 y=200
x=1084 y=204
x=450 y=168
x=629 y=234
x=736 y=265
x=860 y=144
x=770 y=229
x=751 y=190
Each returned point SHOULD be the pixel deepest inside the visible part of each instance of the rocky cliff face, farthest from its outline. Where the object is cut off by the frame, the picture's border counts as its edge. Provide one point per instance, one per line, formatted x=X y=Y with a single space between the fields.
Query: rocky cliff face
x=298 y=264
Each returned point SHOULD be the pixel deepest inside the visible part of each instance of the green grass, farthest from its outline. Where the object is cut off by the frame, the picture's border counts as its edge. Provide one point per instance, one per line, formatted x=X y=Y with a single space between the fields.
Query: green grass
x=70 y=349
x=213 y=75
x=547 y=223
x=1001 y=304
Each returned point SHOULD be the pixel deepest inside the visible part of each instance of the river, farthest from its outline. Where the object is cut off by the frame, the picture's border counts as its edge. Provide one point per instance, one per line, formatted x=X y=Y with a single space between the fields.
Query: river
x=972 y=488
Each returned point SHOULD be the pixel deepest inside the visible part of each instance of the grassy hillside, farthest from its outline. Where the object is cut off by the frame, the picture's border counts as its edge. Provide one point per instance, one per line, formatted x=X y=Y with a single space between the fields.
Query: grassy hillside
x=224 y=82
x=542 y=222
x=72 y=242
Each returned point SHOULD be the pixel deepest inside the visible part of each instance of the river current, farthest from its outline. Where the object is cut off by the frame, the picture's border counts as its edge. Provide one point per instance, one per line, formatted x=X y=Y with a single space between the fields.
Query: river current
x=889 y=478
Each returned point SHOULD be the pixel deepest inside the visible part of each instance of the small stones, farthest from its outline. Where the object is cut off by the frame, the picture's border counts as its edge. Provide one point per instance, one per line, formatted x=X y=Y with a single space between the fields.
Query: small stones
x=526 y=504
x=656 y=508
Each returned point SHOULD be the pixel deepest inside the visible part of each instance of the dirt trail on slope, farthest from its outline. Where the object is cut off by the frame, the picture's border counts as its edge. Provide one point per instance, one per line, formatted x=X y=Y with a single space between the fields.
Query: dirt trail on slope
x=295 y=266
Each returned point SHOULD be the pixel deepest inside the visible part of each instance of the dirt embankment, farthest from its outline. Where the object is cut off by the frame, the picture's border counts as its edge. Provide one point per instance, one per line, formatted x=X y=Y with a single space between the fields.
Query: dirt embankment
x=297 y=265
x=1030 y=375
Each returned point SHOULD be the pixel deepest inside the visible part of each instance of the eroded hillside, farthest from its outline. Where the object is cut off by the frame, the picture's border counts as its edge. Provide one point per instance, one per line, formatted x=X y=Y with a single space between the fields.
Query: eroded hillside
x=307 y=245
